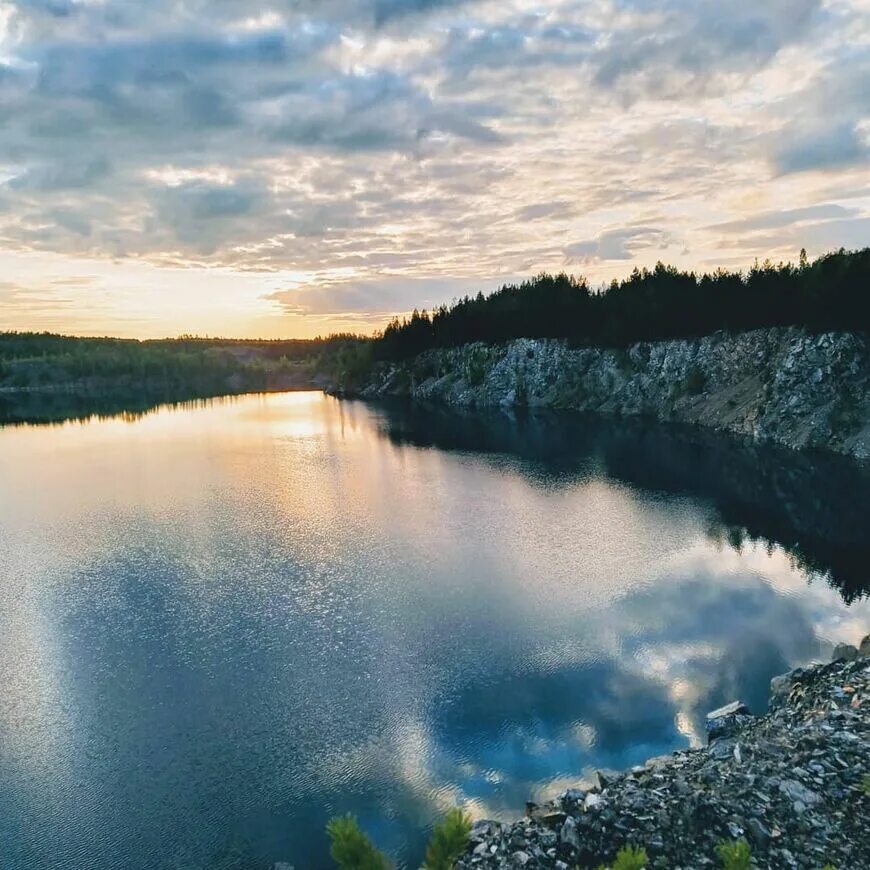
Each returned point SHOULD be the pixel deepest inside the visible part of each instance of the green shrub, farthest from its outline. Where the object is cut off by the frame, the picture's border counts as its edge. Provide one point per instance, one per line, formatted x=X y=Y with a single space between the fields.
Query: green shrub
x=629 y=858
x=865 y=784
x=448 y=841
x=351 y=849
x=735 y=855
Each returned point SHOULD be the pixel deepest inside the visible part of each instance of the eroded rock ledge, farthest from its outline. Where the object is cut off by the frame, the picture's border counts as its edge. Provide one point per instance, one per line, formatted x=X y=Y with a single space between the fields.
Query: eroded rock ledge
x=793 y=782
x=781 y=385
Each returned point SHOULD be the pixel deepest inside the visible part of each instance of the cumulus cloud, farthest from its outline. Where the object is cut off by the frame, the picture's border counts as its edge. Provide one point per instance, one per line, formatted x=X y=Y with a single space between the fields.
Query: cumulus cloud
x=826 y=124
x=57 y=8
x=539 y=210
x=62 y=174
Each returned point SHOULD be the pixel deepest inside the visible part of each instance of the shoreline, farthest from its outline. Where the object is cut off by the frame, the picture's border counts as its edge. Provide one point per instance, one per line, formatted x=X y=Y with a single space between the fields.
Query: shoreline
x=780 y=385
x=794 y=782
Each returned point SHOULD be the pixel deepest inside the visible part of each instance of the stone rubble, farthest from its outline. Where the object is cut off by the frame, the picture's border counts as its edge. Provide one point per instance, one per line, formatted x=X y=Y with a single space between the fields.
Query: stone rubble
x=794 y=782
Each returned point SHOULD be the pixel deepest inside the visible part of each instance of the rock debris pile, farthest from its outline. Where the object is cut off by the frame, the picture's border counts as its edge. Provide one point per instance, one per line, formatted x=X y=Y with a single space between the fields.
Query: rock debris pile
x=795 y=783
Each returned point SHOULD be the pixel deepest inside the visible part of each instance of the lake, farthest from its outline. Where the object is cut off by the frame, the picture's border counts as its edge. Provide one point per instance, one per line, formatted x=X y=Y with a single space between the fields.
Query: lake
x=223 y=622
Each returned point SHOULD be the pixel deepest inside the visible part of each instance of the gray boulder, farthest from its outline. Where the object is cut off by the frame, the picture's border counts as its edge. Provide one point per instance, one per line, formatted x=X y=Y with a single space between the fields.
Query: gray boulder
x=844 y=652
x=727 y=720
x=569 y=835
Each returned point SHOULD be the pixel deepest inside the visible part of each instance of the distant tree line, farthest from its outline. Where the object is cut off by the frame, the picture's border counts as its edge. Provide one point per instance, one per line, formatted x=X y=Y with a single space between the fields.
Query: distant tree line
x=42 y=345
x=833 y=292
x=179 y=368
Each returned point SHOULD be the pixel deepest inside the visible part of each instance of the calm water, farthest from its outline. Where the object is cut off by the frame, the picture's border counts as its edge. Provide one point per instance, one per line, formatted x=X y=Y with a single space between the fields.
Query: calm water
x=221 y=624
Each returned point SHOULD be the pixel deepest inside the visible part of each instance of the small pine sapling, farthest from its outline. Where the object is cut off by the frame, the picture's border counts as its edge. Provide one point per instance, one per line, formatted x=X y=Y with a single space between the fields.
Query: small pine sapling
x=448 y=841
x=629 y=858
x=351 y=849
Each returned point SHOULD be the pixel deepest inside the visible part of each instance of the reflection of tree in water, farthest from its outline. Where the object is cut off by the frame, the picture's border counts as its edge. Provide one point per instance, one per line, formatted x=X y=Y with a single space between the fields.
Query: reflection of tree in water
x=814 y=506
x=845 y=569
x=41 y=408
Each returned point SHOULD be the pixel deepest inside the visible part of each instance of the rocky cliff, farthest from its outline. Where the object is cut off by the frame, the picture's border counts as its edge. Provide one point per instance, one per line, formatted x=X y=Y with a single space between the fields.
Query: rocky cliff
x=779 y=385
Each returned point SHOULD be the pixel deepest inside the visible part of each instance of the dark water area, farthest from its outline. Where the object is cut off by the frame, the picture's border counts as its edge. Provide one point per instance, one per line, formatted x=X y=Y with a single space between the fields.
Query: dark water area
x=223 y=622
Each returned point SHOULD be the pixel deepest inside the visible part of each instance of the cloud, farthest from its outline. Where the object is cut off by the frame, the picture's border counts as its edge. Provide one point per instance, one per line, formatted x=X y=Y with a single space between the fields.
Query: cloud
x=670 y=46
x=64 y=174
x=56 y=8
x=525 y=43
x=557 y=208
x=619 y=244
x=826 y=122
x=785 y=218
x=822 y=148
x=202 y=213
x=387 y=10
x=375 y=111
x=198 y=201
x=375 y=298
x=850 y=233
x=71 y=220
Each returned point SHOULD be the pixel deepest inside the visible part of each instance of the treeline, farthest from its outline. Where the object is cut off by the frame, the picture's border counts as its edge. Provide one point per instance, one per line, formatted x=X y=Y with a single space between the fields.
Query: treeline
x=293 y=349
x=180 y=368
x=36 y=345
x=833 y=292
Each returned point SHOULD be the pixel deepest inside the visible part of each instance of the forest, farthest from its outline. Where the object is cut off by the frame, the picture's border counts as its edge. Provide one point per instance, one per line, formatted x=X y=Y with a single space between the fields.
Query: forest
x=171 y=368
x=830 y=293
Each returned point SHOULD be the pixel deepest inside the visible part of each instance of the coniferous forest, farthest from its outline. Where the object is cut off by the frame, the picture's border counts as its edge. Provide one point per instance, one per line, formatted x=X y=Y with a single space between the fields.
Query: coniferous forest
x=831 y=293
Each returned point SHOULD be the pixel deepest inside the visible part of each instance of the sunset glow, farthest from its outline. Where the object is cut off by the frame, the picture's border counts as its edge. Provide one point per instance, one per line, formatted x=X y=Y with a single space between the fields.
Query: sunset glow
x=225 y=168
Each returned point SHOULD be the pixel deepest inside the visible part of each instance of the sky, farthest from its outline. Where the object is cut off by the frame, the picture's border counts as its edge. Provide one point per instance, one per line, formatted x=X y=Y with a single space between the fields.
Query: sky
x=293 y=168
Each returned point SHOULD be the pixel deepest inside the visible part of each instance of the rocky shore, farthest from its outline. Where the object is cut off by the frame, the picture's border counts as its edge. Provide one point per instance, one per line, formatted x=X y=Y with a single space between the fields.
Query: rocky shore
x=794 y=783
x=783 y=385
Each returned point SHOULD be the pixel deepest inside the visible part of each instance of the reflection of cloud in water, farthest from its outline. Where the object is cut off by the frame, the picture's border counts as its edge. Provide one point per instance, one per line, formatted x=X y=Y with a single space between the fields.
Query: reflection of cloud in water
x=698 y=638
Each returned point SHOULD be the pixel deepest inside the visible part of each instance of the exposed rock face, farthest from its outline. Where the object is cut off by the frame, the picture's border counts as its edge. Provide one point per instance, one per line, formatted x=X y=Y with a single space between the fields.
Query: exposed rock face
x=781 y=385
x=793 y=783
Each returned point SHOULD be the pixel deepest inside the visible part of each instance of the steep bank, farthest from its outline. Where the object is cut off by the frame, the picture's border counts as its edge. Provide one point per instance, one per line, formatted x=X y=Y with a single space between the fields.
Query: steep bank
x=795 y=783
x=780 y=385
